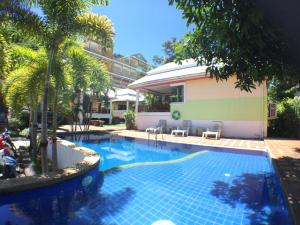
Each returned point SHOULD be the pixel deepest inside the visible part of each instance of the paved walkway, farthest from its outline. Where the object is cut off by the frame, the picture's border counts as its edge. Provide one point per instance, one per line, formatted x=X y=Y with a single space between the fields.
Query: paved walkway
x=194 y=140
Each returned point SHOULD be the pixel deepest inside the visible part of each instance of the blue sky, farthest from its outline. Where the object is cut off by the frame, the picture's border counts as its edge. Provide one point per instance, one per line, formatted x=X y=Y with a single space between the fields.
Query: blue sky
x=141 y=26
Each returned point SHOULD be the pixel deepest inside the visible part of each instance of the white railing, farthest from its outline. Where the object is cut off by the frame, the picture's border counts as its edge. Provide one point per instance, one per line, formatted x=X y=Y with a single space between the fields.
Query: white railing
x=119 y=113
x=101 y=115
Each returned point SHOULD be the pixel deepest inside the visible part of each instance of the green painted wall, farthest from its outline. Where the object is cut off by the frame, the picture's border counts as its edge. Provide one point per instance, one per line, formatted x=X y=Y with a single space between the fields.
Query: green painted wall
x=244 y=108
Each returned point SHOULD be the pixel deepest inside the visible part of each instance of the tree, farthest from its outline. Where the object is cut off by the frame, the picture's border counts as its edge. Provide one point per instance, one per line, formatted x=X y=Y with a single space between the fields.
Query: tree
x=287 y=123
x=4 y=58
x=238 y=38
x=23 y=85
x=279 y=90
x=169 y=51
x=60 y=19
x=89 y=76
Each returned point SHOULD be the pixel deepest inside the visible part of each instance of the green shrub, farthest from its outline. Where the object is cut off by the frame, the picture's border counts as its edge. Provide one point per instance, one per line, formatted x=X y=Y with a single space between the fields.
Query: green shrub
x=14 y=124
x=287 y=124
x=129 y=119
x=25 y=132
x=24 y=118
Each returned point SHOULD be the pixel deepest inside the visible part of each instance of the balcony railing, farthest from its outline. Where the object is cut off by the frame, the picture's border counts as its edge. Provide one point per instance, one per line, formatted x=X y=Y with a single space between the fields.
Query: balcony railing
x=155 y=108
x=101 y=111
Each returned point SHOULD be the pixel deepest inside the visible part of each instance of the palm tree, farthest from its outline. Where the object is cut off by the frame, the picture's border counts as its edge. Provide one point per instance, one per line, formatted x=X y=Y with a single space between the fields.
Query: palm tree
x=74 y=70
x=4 y=58
x=60 y=19
x=88 y=75
x=23 y=86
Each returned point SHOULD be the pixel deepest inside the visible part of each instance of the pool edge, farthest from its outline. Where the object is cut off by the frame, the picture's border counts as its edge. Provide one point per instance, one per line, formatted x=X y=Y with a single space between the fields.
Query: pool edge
x=91 y=160
x=291 y=211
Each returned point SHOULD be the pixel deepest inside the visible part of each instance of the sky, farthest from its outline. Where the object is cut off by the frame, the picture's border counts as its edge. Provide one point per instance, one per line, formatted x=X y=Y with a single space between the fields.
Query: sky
x=141 y=26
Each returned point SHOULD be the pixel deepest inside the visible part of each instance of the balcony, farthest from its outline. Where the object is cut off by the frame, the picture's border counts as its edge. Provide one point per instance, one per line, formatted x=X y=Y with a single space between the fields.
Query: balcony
x=154 y=108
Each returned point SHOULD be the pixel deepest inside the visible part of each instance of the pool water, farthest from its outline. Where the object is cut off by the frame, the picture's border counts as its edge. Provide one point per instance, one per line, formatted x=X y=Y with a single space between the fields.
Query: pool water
x=211 y=186
x=118 y=151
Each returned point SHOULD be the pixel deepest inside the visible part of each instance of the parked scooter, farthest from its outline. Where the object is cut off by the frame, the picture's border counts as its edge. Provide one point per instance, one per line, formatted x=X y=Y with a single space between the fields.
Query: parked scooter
x=8 y=156
x=8 y=167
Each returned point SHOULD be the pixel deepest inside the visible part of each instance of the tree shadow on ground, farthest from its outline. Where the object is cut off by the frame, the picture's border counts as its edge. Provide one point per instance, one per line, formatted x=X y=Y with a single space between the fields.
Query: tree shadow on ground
x=78 y=205
x=289 y=170
x=258 y=194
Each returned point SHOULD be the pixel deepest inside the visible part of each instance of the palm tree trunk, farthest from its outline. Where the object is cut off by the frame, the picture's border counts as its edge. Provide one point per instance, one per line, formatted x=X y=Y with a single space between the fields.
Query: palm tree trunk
x=31 y=128
x=90 y=115
x=54 y=128
x=44 y=138
x=34 y=133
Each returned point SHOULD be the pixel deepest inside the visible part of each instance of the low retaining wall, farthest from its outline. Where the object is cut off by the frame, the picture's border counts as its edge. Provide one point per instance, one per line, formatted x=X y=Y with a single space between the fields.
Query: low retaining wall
x=73 y=161
x=68 y=154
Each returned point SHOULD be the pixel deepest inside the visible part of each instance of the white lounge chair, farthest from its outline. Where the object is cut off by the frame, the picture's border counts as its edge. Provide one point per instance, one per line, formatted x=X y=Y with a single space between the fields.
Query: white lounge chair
x=159 y=129
x=187 y=125
x=216 y=131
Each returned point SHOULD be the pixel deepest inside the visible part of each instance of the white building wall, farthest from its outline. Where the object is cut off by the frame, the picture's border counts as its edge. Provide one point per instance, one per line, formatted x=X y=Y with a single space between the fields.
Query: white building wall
x=234 y=129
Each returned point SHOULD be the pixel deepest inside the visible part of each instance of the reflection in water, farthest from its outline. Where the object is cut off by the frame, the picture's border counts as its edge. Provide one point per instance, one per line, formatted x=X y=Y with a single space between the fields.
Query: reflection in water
x=68 y=203
x=256 y=191
x=117 y=151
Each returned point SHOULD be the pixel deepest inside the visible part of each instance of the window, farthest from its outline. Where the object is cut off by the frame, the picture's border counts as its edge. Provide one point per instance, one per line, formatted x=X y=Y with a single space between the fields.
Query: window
x=177 y=94
x=121 y=107
x=272 y=111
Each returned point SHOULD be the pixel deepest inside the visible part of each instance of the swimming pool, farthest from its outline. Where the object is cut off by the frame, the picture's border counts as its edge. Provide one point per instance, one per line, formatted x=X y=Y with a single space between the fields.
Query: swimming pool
x=208 y=186
x=118 y=151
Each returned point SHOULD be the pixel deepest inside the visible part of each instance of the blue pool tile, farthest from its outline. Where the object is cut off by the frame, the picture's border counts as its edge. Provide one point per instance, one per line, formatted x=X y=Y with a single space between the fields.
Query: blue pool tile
x=211 y=188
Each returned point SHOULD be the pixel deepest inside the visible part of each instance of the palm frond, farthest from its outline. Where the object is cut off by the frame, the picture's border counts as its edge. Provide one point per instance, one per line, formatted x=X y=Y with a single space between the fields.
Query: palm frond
x=5 y=62
x=96 y=28
x=98 y=2
x=20 y=14
x=22 y=55
x=24 y=86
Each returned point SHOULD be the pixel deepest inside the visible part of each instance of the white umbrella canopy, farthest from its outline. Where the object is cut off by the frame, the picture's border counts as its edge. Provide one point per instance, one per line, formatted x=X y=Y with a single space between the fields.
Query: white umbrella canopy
x=121 y=95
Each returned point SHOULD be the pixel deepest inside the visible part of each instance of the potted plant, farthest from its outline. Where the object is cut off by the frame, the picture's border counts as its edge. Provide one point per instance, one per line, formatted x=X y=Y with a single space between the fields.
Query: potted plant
x=129 y=119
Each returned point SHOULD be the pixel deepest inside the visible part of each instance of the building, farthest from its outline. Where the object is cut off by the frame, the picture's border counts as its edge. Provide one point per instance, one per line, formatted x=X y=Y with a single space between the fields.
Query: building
x=187 y=89
x=122 y=69
x=118 y=103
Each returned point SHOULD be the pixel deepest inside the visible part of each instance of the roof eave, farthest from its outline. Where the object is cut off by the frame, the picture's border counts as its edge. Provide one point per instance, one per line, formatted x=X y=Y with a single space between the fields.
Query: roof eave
x=167 y=81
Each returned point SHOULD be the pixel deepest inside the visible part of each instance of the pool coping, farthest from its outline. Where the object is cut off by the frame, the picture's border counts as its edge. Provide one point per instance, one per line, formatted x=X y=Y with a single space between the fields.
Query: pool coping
x=263 y=150
x=90 y=161
x=295 y=218
x=292 y=213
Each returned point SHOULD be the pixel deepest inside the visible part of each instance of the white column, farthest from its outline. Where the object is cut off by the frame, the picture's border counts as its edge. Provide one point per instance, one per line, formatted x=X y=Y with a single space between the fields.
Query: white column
x=127 y=105
x=137 y=103
x=110 y=111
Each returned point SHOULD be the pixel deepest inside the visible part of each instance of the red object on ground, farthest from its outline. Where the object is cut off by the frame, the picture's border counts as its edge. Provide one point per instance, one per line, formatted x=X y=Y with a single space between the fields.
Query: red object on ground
x=2 y=143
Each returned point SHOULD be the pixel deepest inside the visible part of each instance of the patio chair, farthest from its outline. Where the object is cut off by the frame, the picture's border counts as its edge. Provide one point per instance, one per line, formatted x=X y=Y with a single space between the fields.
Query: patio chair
x=159 y=129
x=186 y=127
x=216 y=131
